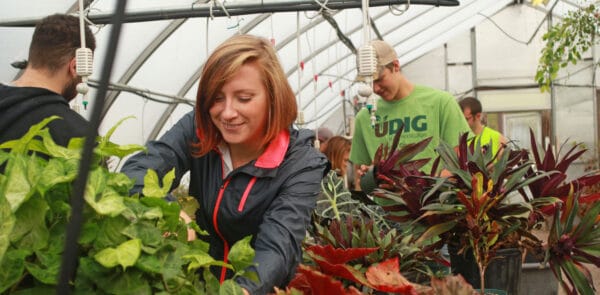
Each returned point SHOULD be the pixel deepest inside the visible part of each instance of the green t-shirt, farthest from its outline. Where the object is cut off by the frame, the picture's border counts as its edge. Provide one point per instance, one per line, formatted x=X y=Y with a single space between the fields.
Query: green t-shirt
x=425 y=112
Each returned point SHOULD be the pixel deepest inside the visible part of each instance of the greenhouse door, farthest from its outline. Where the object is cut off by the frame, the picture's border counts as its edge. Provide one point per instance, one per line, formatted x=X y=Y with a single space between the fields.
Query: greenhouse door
x=516 y=128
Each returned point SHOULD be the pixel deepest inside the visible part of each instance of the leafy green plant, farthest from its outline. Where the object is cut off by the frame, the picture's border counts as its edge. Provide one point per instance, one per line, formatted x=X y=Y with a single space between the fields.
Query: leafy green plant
x=566 y=42
x=123 y=247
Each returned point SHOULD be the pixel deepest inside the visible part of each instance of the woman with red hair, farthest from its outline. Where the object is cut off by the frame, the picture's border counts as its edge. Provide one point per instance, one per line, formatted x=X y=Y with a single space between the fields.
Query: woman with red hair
x=251 y=172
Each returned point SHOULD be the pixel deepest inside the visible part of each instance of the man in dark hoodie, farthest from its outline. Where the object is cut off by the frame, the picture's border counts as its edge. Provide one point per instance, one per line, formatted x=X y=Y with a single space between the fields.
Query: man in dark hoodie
x=47 y=84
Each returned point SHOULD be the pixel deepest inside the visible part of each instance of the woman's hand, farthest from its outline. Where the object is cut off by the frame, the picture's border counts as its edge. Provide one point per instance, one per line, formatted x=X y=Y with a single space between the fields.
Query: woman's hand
x=191 y=233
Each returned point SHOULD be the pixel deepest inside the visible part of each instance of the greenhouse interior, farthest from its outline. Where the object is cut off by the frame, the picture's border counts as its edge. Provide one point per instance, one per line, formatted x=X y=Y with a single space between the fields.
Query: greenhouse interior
x=498 y=51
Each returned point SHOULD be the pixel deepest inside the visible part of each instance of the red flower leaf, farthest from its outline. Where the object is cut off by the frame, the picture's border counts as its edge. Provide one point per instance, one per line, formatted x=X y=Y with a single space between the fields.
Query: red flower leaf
x=338 y=255
x=310 y=281
x=386 y=277
x=341 y=270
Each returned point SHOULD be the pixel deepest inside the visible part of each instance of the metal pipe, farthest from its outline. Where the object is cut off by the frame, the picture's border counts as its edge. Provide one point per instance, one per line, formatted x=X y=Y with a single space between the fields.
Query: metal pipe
x=237 y=9
x=68 y=265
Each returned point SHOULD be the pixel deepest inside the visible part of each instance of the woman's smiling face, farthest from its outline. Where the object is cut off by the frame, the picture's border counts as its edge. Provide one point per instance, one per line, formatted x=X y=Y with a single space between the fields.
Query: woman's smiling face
x=240 y=108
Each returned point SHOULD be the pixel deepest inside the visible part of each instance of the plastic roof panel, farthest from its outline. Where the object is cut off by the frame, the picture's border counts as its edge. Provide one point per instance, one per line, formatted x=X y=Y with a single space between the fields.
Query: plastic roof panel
x=164 y=57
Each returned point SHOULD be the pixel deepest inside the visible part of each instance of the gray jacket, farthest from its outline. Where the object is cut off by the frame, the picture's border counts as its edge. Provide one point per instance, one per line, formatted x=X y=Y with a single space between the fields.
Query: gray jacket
x=270 y=198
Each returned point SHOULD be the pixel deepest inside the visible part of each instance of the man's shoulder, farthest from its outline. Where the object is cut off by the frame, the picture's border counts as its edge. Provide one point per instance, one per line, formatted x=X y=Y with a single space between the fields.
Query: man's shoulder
x=363 y=113
x=29 y=97
x=433 y=93
x=491 y=131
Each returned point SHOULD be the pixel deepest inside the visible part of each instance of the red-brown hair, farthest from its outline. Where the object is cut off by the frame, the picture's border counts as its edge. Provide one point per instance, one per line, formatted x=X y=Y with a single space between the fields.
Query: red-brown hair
x=337 y=147
x=222 y=64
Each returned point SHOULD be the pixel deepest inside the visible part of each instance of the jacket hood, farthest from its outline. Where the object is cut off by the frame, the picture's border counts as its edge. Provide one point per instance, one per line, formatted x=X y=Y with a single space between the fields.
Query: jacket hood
x=305 y=137
x=18 y=101
x=11 y=96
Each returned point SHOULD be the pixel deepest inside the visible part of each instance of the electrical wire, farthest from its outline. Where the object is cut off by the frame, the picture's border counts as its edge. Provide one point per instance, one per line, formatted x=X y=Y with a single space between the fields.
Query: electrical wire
x=320 y=11
x=537 y=29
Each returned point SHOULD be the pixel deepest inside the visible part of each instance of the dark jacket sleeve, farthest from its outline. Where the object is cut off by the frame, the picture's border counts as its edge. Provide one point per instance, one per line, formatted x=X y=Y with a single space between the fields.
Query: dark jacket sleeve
x=172 y=150
x=278 y=243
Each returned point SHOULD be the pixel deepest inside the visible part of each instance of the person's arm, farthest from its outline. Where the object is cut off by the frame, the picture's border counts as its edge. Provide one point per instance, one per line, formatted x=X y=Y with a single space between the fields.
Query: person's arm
x=359 y=155
x=172 y=150
x=278 y=245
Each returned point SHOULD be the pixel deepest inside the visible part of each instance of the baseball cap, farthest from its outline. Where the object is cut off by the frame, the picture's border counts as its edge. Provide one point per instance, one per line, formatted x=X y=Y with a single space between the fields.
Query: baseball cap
x=385 y=54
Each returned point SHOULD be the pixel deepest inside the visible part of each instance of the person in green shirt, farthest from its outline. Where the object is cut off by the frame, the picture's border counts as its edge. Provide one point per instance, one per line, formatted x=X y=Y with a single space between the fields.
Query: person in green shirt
x=487 y=136
x=422 y=110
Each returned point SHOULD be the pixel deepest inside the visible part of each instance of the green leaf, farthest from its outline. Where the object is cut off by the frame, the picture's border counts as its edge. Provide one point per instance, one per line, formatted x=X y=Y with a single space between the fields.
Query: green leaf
x=7 y=223
x=96 y=184
x=110 y=203
x=201 y=259
x=229 y=287
x=170 y=210
x=46 y=269
x=125 y=254
x=241 y=255
x=120 y=151
x=147 y=232
x=435 y=231
x=578 y=279
x=130 y=282
x=30 y=231
x=16 y=186
x=55 y=150
x=12 y=267
x=120 y=182
x=89 y=232
x=152 y=213
x=112 y=130
x=152 y=186
x=22 y=145
x=149 y=263
x=56 y=171
x=110 y=233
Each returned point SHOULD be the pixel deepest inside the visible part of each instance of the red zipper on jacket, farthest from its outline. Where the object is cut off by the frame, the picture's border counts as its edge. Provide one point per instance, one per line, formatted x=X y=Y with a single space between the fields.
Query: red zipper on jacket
x=246 y=193
x=215 y=225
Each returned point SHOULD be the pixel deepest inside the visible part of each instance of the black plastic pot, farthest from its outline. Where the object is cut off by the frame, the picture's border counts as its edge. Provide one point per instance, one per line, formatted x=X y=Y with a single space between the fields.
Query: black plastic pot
x=533 y=272
x=503 y=273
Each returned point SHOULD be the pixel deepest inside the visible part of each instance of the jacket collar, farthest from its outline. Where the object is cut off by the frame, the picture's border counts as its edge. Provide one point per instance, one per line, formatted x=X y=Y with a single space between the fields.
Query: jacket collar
x=275 y=151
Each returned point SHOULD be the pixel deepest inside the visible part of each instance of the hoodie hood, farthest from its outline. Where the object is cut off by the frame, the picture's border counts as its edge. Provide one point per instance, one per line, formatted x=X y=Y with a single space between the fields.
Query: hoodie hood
x=16 y=102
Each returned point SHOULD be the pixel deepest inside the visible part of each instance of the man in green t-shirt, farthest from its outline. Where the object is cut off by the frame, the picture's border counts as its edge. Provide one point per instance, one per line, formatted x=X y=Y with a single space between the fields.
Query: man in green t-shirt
x=423 y=111
x=487 y=136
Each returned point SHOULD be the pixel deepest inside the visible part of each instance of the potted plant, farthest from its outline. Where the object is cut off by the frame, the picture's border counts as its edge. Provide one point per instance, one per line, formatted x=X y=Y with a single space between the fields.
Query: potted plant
x=487 y=225
x=470 y=210
x=573 y=238
x=123 y=247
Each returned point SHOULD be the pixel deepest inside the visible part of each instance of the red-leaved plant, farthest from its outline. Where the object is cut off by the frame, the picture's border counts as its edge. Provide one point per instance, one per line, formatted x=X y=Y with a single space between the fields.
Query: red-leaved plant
x=333 y=265
x=554 y=184
x=573 y=241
